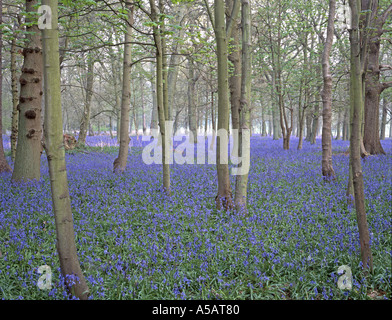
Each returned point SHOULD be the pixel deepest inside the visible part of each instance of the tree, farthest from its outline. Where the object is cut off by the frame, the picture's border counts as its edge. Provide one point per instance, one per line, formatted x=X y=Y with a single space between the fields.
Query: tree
x=373 y=86
x=162 y=114
x=121 y=161
x=28 y=151
x=84 y=124
x=356 y=106
x=326 y=94
x=55 y=153
x=4 y=167
x=245 y=108
x=224 y=196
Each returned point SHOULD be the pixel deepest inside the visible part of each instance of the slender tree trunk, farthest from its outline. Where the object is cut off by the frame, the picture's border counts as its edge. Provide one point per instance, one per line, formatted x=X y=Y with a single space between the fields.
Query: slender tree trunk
x=356 y=104
x=338 y=126
x=234 y=57
x=181 y=10
x=224 y=196
x=66 y=246
x=383 y=118
x=154 y=111
x=162 y=114
x=4 y=167
x=15 y=98
x=346 y=125
x=120 y=162
x=326 y=94
x=28 y=151
x=142 y=105
x=315 y=123
x=84 y=124
x=192 y=99
x=241 y=188
x=302 y=110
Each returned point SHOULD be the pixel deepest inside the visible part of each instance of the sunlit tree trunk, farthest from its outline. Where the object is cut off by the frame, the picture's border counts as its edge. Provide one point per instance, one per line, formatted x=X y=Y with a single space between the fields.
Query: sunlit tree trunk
x=28 y=151
x=120 y=162
x=54 y=147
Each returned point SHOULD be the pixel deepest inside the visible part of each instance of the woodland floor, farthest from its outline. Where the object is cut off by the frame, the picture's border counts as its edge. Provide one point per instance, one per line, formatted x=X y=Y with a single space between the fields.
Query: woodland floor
x=135 y=243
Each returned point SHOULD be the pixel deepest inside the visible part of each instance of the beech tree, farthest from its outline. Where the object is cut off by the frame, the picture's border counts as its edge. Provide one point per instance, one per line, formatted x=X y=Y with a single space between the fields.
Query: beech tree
x=326 y=94
x=356 y=106
x=3 y=161
x=55 y=153
x=28 y=151
x=121 y=161
x=373 y=86
x=222 y=30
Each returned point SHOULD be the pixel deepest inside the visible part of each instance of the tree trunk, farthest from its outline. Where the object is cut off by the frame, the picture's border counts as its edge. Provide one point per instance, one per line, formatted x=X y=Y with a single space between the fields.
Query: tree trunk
x=315 y=123
x=326 y=94
x=338 y=126
x=4 y=167
x=346 y=125
x=162 y=114
x=120 y=162
x=241 y=187
x=66 y=246
x=28 y=151
x=234 y=56
x=84 y=124
x=154 y=111
x=181 y=10
x=356 y=103
x=373 y=87
x=224 y=196
x=383 y=118
x=15 y=98
x=192 y=99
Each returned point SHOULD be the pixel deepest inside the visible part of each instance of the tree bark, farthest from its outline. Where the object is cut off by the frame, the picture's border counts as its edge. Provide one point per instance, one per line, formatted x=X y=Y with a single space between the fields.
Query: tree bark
x=326 y=94
x=28 y=151
x=181 y=10
x=356 y=103
x=154 y=111
x=373 y=87
x=192 y=78
x=162 y=114
x=66 y=246
x=241 y=187
x=15 y=98
x=84 y=124
x=4 y=167
x=120 y=162
x=224 y=196
x=383 y=118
